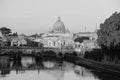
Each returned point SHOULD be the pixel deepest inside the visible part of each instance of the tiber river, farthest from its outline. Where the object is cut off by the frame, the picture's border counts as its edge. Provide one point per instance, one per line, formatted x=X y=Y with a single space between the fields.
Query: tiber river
x=29 y=68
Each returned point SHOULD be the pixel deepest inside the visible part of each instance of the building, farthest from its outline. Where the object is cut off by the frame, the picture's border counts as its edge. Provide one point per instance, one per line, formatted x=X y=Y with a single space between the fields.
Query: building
x=58 y=37
x=34 y=37
x=78 y=47
x=91 y=35
x=85 y=41
x=90 y=44
x=20 y=40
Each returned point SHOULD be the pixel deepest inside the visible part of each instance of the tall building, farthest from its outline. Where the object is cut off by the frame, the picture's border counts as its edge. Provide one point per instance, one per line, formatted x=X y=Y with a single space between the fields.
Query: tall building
x=58 y=37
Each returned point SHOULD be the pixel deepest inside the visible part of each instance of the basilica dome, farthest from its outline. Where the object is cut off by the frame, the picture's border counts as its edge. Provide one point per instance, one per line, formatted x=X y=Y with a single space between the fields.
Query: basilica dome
x=59 y=27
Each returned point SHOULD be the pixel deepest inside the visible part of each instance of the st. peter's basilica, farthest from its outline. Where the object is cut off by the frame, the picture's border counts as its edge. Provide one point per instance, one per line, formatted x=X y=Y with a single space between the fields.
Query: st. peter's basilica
x=58 y=37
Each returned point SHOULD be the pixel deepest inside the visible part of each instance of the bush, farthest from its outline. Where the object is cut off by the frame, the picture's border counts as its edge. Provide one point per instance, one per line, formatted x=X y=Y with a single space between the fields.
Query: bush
x=95 y=54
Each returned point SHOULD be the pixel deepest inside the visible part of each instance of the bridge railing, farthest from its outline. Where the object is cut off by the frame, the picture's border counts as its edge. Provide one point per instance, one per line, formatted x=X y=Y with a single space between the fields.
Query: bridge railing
x=21 y=47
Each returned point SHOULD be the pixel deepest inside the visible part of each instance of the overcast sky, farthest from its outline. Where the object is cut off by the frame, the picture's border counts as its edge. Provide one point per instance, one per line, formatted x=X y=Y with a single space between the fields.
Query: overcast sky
x=37 y=16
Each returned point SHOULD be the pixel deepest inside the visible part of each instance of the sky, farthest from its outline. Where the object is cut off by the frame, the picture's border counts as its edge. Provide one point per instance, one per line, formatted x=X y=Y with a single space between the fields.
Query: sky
x=38 y=16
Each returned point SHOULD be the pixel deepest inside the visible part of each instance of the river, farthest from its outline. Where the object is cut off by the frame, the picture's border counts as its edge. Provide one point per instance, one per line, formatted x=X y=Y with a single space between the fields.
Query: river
x=31 y=68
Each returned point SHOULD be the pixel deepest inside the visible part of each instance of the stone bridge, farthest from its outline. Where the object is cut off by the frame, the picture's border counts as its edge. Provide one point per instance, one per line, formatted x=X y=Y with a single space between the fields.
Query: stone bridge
x=34 y=50
x=26 y=50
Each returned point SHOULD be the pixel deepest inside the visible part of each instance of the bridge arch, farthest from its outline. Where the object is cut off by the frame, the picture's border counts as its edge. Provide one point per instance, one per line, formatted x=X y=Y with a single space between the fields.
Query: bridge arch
x=49 y=53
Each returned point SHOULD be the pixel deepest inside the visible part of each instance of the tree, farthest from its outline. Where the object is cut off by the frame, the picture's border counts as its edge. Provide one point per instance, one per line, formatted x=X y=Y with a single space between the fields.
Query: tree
x=5 y=31
x=15 y=34
x=31 y=43
x=81 y=39
x=109 y=33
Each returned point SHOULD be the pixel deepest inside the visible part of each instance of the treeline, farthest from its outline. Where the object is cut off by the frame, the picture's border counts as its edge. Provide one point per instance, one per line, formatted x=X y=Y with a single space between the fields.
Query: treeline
x=7 y=32
x=8 y=36
x=108 y=40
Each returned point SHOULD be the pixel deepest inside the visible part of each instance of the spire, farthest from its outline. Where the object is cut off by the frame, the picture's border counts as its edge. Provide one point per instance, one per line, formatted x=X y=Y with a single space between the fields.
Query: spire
x=59 y=18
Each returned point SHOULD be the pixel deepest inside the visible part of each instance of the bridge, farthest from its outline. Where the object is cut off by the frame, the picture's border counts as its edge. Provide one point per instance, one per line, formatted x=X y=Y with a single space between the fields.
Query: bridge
x=34 y=50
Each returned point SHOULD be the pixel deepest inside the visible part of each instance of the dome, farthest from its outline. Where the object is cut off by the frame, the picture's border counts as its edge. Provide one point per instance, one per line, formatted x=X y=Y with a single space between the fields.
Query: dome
x=59 y=27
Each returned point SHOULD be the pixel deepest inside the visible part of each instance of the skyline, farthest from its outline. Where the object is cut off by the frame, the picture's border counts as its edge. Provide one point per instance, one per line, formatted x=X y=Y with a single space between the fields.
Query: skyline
x=38 y=16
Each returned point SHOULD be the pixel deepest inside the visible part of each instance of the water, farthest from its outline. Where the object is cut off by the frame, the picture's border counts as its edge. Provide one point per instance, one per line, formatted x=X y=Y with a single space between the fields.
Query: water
x=29 y=68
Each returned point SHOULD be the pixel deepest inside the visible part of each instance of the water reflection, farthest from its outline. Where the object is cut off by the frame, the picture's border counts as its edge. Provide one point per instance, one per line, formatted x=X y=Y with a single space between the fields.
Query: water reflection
x=27 y=61
x=4 y=66
x=31 y=68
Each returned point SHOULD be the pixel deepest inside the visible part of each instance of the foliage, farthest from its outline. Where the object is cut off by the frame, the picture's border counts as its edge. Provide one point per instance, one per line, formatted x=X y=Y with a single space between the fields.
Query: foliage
x=35 y=35
x=15 y=34
x=5 y=31
x=81 y=39
x=109 y=33
x=31 y=43
x=95 y=54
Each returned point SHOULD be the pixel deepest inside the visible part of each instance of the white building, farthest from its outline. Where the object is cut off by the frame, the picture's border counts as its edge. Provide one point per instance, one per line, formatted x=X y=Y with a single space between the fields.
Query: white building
x=85 y=41
x=78 y=47
x=90 y=44
x=58 y=37
x=19 y=41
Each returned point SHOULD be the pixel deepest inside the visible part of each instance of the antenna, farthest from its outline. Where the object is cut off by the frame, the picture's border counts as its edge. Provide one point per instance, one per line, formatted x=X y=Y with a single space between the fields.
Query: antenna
x=85 y=29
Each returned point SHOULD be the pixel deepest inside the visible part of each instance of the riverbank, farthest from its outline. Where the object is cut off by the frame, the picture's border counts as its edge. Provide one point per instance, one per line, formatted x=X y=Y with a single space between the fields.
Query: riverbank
x=102 y=67
x=108 y=68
